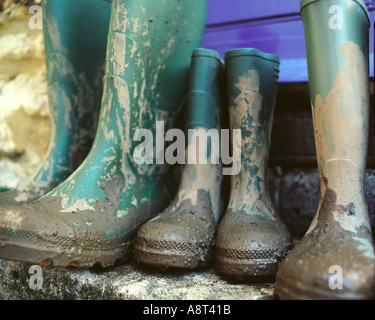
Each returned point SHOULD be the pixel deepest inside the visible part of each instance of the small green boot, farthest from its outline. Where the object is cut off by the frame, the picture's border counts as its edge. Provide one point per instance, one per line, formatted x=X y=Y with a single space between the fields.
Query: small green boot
x=181 y=235
x=93 y=216
x=75 y=39
x=335 y=259
x=251 y=239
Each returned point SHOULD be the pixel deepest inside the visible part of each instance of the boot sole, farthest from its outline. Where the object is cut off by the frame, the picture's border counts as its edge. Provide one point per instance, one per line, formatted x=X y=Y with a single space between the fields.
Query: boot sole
x=288 y=291
x=242 y=269
x=169 y=256
x=51 y=257
x=243 y=264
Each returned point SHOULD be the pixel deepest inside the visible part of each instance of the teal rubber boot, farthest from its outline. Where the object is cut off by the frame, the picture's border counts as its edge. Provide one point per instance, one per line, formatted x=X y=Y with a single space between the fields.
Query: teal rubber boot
x=181 y=236
x=92 y=217
x=75 y=39
x=335 y=259
x=251 y=239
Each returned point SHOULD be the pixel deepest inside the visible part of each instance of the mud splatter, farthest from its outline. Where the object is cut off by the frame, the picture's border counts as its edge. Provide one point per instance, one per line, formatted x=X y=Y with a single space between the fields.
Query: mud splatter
x=248 y=188
x=112 y=188
x=181 y=236
x=343 y=117
x=205 y=177
x=304 y=274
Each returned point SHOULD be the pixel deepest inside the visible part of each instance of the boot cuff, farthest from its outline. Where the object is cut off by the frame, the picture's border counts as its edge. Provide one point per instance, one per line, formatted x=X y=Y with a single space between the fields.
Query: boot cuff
x=305 y=3
x=251 y=52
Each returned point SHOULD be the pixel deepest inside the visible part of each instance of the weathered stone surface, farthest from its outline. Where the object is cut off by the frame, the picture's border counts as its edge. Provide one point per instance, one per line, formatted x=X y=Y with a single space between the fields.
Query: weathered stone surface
x=300 y=194
x=9 y=175
x=24 y=111
x=128 y=282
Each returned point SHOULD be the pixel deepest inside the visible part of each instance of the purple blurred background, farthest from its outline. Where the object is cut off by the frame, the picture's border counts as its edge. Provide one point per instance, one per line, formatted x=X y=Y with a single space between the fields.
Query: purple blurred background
x=272 y=26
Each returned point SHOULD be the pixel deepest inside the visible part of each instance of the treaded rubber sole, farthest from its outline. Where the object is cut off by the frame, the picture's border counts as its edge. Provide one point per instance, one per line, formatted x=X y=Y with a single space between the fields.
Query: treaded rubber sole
x=51 y=257
x=242 y=264
x=243 y=268
x=171 y=258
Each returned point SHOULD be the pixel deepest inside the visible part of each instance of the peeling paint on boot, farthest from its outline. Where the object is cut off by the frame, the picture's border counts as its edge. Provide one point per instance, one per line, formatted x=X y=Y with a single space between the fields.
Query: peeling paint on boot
x=340 y=233
x=93 y=215
x=341 y=157
x=251 y=239
x=74 y=92
x=181 y=236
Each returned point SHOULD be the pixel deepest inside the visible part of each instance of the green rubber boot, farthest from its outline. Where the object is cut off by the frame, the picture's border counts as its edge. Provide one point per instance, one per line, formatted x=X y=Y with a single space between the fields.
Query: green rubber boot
x=181 y=235
x=251 y=239
x=335 y=259
x=75 y=38
x=92 y=217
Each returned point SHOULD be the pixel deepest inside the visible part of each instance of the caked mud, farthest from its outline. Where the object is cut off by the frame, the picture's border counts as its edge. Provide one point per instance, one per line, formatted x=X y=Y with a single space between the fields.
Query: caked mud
x=340 y=233
x=181 y=236
x=92 y=216
x=37 y=232
x=251 y=239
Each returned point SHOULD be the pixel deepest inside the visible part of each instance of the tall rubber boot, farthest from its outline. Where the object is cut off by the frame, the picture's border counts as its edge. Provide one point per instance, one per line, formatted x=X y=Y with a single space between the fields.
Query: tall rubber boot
x=75 y=39
x=92 y=217
x=335 y=259
x=251 y=239
x=181 y=235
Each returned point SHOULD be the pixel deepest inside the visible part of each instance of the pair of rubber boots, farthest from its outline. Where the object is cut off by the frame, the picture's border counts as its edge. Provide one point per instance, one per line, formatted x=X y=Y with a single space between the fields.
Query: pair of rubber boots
x=251 y=240
x=335 y=259
x=92 y=216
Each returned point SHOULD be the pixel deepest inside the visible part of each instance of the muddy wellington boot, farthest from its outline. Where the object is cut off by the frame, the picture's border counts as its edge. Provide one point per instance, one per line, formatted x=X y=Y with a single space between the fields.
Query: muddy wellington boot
x=75 y=39
x=335 y=259
x=251 y=239
x=181 y=235
x=92 y=217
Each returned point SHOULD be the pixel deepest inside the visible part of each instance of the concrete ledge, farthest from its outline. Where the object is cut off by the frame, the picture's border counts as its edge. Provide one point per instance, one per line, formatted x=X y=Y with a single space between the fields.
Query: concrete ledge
x=124 y=282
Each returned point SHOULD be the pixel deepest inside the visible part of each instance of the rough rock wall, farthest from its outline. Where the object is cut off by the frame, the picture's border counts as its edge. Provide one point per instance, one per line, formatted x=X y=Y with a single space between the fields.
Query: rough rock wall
x=24 y=112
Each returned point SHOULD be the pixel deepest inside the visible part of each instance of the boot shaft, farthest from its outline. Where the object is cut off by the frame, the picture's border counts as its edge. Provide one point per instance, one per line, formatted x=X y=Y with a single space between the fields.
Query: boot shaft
x=149 y=49
x=204 y=102
x=78 y=31
x=252 y=78
x=336 y=36
x=328 y=25
x=205 y=90
x=155 y=39
x=75 y=38
x=202 y=172
x=148 y=55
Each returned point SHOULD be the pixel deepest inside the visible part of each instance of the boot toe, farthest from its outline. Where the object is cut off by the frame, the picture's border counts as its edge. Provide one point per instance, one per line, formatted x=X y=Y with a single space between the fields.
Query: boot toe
x=174 y=241
x=28 y=234
x=251 y=248
x=315 y=270
x=39 y=233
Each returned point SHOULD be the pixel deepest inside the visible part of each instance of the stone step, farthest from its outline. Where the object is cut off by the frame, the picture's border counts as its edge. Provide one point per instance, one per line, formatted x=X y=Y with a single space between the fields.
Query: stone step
x=124 y=282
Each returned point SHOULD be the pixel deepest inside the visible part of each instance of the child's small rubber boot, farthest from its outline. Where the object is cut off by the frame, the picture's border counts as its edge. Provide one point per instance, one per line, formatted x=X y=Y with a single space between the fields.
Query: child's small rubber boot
x=181 y=236
x=251 y=239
